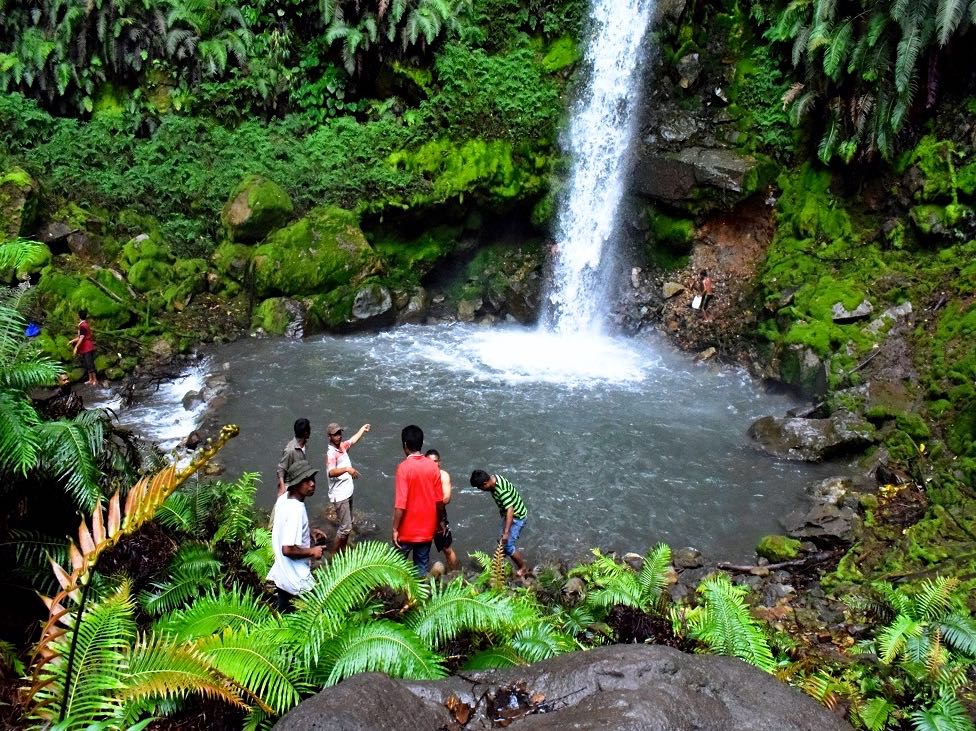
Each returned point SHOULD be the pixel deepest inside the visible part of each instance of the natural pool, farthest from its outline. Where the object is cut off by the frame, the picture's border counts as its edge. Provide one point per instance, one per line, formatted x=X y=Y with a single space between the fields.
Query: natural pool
x=614 y=443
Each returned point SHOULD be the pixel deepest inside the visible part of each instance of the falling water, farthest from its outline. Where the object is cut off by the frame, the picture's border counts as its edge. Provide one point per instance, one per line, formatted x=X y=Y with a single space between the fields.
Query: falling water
x=601 y=129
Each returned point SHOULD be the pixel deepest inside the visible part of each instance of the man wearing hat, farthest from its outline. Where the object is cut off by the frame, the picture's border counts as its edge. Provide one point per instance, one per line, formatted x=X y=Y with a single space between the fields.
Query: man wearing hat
x=291 y=538
x=341 y=476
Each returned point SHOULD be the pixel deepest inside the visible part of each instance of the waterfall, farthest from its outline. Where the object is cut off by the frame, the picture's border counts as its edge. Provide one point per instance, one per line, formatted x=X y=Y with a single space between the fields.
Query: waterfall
x=601 y=129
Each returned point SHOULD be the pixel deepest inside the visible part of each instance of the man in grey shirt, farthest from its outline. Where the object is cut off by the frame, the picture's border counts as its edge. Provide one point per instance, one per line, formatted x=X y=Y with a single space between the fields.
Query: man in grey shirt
x=294 y=451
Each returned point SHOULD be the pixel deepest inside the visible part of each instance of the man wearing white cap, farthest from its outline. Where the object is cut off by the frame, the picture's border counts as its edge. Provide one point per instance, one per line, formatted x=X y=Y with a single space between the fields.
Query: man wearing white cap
x=341 y=475
x=291 y=538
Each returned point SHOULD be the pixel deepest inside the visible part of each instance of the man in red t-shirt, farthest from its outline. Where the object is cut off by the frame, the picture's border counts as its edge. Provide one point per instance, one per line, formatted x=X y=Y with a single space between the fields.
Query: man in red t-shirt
x=418 y=507
x=84 y=345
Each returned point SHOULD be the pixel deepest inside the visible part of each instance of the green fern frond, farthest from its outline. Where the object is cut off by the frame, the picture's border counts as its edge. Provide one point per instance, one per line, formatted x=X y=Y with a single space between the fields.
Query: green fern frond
x=726 y=627
x=621 y=589
x=875 y=713
x=456 y=608
x=72 y=449
x=237 y=517
x=891 y=640
x=19 y=441
x=837 y=51
x=540 y=642
x=906 y=59
x=653 y=576
x=935 y=598
x=948 y=16
x=959 y=633
x=233 y=608
x=257 y=662
x=495 y=657
x=33 y=553
x=344 y=584
x=829 y=141
x=104 y=637
x=381 y=646
x=161 y=669
x=946 y=714
x=260 y=558
x=192 y=569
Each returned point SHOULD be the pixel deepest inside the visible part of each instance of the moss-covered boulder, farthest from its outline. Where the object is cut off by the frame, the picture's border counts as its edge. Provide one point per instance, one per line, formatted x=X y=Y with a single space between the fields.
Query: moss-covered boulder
x=280 y=316
x=778 y=548
x=324 y=250
x=103 y=292
x=186 y=277
x=255 y=208
x=147 y=262
x=18 y=202
x=332 y=310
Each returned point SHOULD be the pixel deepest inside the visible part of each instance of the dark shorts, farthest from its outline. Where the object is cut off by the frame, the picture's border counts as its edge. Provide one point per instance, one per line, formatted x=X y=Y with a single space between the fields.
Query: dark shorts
x=88 y=361
x=284 y=600
x=445 y=540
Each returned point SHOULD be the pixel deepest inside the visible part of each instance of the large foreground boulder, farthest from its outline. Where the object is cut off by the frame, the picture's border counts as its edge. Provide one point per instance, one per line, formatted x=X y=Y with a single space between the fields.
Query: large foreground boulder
x=624 y=687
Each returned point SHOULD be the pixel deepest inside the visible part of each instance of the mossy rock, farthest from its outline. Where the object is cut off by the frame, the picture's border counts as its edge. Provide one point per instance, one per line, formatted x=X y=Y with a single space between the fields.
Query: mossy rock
x=272 y=316
x=186 y=277
x=332 y=310
x=324 y=250
x=255 y=208
x=232 y=260
x=937 y=222
x=62 y=294
x=778 y=548
x=18 y=202
x=562 y=53
x=145 y=247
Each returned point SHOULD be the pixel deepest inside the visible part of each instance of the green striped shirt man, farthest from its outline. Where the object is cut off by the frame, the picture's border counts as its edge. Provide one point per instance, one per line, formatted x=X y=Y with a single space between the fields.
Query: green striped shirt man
x=506 y=496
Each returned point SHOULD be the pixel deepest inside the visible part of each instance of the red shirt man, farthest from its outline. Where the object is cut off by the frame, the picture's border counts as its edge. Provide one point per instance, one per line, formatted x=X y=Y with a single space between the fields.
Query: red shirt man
x=418 y=506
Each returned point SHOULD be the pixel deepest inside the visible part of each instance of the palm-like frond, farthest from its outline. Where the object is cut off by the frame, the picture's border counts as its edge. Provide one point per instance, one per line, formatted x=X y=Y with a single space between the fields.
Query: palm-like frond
x=891 y=640
x=935 y=598
x=959 y=633
x=653 y=576
x=456 y=608
x=495 y=657
x=875 y=713
x=948 y=16
x=236 y=517
x=19 y=254
x=260 y=558
x=381 y=646
x=540 y=642
x=33 y=553
x=233 y=608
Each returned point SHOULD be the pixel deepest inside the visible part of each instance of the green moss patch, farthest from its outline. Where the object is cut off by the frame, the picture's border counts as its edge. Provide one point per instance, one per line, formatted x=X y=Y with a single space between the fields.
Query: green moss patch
x=778 y=548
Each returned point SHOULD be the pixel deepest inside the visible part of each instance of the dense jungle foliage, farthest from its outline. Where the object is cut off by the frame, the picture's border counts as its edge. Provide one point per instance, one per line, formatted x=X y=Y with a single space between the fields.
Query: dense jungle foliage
x=412 y=123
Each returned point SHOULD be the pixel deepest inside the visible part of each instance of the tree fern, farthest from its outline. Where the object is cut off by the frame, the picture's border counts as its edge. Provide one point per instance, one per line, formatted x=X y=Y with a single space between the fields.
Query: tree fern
x=381 y=646
x=456 y=608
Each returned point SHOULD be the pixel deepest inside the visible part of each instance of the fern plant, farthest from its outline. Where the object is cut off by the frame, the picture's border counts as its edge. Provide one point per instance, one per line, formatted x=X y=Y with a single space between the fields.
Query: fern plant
x=619 y=584
x=723 y=624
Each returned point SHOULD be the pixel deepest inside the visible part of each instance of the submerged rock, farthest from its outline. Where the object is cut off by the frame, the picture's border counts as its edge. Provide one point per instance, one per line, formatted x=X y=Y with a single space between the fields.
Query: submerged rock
x=648 y=687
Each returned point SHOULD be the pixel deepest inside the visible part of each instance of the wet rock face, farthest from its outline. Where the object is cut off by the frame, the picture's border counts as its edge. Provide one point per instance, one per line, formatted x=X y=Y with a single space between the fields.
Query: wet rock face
x=811 y=440
x=647 y=687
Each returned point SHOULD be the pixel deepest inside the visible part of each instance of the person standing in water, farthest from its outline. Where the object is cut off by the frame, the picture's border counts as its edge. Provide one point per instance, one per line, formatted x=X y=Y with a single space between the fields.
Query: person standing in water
x=512 y=510
x=341 y=475
x=444 y=541
x=84 y=345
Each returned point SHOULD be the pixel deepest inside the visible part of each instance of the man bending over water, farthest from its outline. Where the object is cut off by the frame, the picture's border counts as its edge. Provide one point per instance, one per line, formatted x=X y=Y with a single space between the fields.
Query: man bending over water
x=512 y=510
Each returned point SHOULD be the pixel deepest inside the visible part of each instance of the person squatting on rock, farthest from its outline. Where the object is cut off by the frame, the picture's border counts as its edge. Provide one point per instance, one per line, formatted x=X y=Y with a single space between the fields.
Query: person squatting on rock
x=707 y=288
x=341 y=475
x=418 y=504
x=84 y=345
x=291 y=538
x=444 y=541
x=512 y=511
x=293 y=452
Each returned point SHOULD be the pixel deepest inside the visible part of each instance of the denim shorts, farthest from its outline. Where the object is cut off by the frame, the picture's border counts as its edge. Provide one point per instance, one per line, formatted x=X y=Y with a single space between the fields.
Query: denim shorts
x=513 y=534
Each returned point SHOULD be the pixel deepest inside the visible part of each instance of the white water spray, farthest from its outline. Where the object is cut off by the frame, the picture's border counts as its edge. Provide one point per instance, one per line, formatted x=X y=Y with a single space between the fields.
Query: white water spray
x=600 y=134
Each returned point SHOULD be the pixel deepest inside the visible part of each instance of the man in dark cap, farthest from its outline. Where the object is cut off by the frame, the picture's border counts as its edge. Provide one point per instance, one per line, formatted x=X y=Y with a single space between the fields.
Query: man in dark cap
x=291 y=538
x=294 y=451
